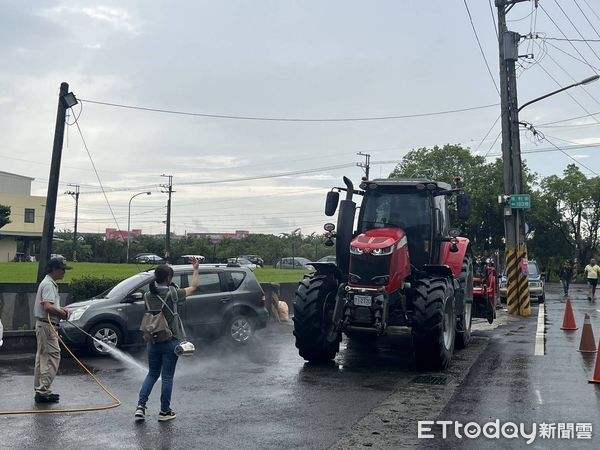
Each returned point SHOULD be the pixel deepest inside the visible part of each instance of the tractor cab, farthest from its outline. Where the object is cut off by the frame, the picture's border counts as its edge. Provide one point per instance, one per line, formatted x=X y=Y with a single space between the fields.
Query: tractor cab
x=417 y=207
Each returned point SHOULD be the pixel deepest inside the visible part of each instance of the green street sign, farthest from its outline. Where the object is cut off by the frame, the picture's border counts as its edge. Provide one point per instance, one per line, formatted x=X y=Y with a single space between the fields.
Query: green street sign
x=520 y=201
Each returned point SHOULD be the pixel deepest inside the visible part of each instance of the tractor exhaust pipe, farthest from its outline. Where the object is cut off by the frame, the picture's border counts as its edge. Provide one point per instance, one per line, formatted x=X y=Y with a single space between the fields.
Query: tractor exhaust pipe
x=345 y=227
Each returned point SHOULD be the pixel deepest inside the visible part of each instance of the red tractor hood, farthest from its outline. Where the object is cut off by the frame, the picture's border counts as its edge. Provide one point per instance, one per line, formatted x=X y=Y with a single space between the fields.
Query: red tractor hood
x=379 y=238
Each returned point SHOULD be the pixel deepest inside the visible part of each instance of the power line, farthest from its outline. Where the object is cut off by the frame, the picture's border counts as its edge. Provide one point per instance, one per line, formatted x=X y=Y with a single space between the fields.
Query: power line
x=592 y=10
x=493 y=17
x=567 y=92
x=569 y=156
x=572 y=78
x=565 y=36
x=96 y=172
x=481 y=48
x=290 y=119
x=586 y=18
x=572 y=56
x=550 y=149
x=570 y=39
x=577 y=30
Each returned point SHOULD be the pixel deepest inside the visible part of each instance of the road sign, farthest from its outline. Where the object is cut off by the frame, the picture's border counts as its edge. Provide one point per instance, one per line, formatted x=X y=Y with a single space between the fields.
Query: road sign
x=520 y=201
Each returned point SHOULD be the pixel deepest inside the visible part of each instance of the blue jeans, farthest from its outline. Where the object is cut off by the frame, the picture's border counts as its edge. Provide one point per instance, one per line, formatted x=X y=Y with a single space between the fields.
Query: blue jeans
x=161 y=361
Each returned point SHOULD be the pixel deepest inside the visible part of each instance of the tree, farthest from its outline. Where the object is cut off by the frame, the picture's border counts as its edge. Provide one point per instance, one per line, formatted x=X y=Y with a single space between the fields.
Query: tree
x=575 y=201
x=4 y=215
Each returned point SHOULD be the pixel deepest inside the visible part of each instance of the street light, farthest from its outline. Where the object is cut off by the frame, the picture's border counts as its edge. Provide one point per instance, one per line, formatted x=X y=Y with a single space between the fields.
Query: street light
x=129 y=220
x=299 y=231
x=580 y=83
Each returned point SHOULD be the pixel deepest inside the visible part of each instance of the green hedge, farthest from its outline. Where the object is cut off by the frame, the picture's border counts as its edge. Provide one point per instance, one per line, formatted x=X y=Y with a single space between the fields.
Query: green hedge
x=89 y=286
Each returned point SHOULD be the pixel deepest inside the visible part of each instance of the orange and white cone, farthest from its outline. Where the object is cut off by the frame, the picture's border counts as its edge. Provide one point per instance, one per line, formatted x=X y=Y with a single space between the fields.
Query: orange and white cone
x=596 y=377
x=588 y=341
x=569 y=319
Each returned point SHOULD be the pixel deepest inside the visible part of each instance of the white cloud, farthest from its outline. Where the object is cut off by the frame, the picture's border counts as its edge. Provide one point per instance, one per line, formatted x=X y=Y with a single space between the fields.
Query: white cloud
x=117 y=18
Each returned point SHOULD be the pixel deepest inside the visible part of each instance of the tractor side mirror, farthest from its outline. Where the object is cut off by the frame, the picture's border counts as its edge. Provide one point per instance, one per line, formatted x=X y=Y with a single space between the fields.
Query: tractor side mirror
x=463 y=206
x=331 y=202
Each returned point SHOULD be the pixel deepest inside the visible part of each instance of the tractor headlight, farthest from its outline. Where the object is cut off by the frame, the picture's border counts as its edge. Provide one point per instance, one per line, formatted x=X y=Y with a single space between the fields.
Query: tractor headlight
x=355 y=250
x=383 y=251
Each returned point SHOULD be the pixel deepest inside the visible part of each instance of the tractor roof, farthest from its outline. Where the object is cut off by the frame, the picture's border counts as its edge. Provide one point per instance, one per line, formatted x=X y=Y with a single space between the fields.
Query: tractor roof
x=384 y=182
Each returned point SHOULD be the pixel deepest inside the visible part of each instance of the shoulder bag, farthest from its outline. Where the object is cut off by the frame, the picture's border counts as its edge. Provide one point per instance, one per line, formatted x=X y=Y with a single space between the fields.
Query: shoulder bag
x=154 y=327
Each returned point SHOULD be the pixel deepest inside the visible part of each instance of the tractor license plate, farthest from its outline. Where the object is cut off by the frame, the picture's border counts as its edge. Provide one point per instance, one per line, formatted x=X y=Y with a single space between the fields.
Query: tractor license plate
x=362 y=300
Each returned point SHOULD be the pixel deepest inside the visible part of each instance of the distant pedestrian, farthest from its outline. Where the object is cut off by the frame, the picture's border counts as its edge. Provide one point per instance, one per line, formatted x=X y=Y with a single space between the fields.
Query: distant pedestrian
x=566 y=276
x=161 y=355
x=48 y=312
x=592 y=272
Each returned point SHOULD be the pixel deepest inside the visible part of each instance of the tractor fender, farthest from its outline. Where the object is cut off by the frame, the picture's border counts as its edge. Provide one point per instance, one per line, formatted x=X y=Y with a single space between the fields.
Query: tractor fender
x=454 y=260
x=327 y=269
x=439 y=270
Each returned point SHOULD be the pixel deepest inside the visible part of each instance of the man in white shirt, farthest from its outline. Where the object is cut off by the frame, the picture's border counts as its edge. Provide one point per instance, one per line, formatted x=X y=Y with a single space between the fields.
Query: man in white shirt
x=48 y=312
x=592 y=272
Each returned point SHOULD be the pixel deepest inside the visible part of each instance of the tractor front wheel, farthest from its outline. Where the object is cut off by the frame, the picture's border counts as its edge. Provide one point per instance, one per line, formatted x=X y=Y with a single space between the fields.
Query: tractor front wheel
x=313 y=312
x=434 y=323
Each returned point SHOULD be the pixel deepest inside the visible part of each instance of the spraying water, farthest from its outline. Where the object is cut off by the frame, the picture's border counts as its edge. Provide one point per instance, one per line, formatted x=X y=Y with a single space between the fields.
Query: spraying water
x=122 y=356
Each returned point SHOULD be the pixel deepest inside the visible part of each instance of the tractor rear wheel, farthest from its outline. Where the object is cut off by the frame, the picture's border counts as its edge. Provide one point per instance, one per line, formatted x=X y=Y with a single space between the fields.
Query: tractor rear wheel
x=313 y=311
x=434 y=323
x=463 y=326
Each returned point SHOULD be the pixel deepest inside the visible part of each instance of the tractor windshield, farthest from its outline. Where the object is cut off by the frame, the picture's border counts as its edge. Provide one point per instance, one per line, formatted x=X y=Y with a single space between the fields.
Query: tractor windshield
x=407 y=209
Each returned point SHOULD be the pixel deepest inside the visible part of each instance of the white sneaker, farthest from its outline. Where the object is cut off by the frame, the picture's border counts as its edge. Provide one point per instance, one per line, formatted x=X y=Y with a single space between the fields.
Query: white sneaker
x=164 y=416
x=140 y=413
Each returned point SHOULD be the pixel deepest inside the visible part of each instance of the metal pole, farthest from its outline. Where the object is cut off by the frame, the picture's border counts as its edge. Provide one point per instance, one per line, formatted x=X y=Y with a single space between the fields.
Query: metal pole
x=75 y=195
x=168 y=230
x=129 y=221
x=517 y=283
x=48 y=230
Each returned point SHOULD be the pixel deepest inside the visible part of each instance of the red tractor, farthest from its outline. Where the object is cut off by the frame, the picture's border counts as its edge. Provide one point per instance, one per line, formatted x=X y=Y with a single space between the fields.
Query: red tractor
x=403 y=266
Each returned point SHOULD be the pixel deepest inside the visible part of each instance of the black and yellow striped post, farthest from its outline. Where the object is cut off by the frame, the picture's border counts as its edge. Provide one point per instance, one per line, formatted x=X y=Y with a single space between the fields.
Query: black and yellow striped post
x=512 y=285
x=523 y=280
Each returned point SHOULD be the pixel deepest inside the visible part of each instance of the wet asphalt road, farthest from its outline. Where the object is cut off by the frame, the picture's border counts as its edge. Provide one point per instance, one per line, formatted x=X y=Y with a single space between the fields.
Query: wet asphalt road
x=260 y=396
x=510 y=383
x=264 y=396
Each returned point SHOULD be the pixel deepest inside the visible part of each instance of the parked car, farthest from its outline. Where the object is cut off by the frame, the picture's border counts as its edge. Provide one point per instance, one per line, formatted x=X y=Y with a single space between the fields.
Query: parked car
x=254 y=259
x=295 y=262
x=242 y=262
x=149 y=258
x=327 y=259
x=187 y=259
x=229 y=302
x=536 y=283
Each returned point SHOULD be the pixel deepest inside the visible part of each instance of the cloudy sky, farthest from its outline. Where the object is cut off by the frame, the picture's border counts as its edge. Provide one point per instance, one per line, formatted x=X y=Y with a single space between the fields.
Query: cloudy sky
x=277 y=59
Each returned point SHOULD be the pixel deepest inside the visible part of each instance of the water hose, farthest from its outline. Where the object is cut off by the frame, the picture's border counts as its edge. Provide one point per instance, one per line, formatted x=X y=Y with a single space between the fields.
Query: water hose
x=116 y=403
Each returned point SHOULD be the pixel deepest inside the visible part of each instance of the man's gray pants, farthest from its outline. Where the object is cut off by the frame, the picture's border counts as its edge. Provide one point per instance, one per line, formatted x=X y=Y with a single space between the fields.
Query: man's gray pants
x=47 y=358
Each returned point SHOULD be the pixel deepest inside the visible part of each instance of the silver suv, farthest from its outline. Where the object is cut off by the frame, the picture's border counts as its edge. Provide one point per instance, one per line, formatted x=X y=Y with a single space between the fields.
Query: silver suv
x=229 y=302
x=536 y=283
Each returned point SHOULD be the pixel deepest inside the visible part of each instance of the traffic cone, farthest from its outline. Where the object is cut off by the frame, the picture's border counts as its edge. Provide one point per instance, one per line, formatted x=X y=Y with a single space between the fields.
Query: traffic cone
x=596 y=377
x=569 y=320
x=588 y=341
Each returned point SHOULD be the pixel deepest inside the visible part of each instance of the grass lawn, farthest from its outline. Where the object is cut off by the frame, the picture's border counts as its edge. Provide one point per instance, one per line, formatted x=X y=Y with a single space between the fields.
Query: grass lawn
x=27 y=272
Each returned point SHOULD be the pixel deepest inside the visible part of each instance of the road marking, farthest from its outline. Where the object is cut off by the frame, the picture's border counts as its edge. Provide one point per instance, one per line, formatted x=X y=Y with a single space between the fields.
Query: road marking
x=539 y=397
x=540 y=334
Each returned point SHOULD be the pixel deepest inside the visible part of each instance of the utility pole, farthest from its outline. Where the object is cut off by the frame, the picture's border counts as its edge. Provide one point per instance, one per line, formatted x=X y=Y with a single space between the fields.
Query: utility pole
x=65 y=100
x=75 y=195
x=169 y=190
x=514 y=223
x=366 y=165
